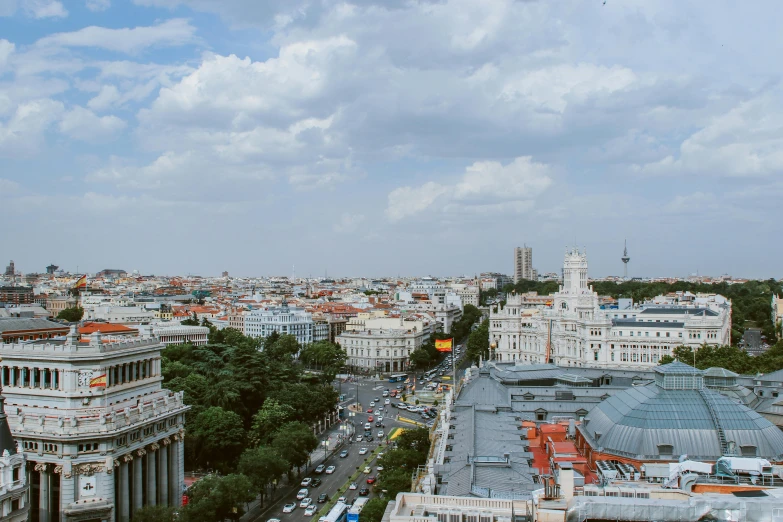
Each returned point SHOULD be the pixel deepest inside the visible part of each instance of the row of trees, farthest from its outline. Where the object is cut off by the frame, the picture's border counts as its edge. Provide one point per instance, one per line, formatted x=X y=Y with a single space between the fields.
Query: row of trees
x=399 y=465
x=252 y=412
x=427 y=355
x=751 y=301
x=728 y=357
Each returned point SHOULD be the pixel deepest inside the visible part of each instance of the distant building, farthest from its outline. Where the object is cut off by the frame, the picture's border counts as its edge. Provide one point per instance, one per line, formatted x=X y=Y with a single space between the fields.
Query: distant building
x=385 y=345
x=16 y=295
x=17 y=330
x=56 y=304
x=283 y=320
x=112 y=272
x=51 y=269
x=523 y=263
x=195 y=335
x=777 y=312
x=10 y=270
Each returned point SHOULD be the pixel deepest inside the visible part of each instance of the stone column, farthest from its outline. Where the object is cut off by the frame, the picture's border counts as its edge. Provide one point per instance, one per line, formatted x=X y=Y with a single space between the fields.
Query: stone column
x=163 y=488
x=43 y=493
x=138 y=493
x=152 y=476
x=124 y=494
x=175 y=496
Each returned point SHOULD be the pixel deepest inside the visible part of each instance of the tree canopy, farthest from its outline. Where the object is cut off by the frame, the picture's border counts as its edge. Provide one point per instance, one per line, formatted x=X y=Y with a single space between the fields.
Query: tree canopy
x=71 y=315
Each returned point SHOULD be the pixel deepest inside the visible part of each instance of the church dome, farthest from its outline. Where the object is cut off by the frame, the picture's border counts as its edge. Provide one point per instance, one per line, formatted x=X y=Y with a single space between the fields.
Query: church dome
x=676 y=415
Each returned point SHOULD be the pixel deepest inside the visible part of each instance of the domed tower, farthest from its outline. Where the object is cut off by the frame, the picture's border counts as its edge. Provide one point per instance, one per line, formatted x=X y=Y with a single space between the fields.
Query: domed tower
x=575 y=273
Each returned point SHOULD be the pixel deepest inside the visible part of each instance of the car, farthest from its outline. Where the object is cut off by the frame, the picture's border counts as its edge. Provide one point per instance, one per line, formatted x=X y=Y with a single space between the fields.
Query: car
x=364 y=492
x=288 y=508
x=273 y=520
x=387 y=401
x=358 y=438
x=380 y=434
x=370 y=418
x=371 y=479
x=368 y=438
x=367 y=426
x=311 y=509
x=400 y=386
x=367 y=469
x=306 y=481
x=379 y=419
x=385 y=394
x=377 y=424
x=330 y=470
x=343 y=499
x=323 y=497
x=372 y=404
x=379 y=468
x=305 y=502
x=302 y=493
x=369 y=410
x=363 y=451
x=315 y=483
x=353 y=485
x=343 y=454
x=377 y=399
x=380 y=455
x=319 y=469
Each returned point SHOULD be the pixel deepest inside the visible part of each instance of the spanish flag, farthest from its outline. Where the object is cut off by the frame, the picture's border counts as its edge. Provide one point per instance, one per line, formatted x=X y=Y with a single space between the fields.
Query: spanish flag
x=81 y=283
x=443 y=345
x=98 y=382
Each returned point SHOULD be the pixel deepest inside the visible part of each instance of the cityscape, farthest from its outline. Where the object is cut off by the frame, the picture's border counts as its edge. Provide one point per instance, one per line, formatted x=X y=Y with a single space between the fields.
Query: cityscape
x=390 y=261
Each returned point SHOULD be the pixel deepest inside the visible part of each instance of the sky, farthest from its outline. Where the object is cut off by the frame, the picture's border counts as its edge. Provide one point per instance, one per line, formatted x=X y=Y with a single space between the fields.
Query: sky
x=390 y=137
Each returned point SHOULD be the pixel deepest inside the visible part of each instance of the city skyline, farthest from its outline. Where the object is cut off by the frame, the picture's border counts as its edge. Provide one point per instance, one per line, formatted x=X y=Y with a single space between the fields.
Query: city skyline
x=389 y=137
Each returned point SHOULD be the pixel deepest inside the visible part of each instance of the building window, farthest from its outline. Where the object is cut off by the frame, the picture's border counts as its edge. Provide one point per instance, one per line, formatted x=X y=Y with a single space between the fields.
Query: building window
x=89 y=447
x=665 y=449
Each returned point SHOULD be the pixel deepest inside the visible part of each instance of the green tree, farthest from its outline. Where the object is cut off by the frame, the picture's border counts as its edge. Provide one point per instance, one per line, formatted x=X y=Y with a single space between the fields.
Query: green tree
x=217 y=497
x=263 y=466
x=219 y=438
x=192 y=321
x=420 y=359
x=327 y=357
x=268 y=419
x=155 y=514
x=666 y=359
x=71 y=315
x=393 y=482
x=374 y=509
x=478 y=343
x=294 y=441
x=283 y=349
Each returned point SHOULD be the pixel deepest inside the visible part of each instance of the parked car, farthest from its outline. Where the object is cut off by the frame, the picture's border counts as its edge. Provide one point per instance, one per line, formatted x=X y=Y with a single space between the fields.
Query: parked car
x=302 y=493
x=311 y=509
x=319 y=469
x=306 y=481
x=323 y=497
x=288 y=508
x=343 y=454
x=305 y=502
x=330 y=470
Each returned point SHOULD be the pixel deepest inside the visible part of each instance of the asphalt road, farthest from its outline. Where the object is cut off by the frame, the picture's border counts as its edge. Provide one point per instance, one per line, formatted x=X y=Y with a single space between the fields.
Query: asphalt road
x=366 y=390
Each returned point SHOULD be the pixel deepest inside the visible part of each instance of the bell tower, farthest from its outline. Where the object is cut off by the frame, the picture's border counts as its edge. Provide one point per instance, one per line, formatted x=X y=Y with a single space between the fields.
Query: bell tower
x=575 y=273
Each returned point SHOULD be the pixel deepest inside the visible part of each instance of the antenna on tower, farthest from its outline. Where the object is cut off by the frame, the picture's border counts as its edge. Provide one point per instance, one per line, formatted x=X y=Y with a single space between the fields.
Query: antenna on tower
x=625 y=259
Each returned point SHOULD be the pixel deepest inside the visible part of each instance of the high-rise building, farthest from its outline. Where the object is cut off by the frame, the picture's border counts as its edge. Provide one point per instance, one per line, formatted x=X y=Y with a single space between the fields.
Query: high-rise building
x=10 y=271
x=523 y=263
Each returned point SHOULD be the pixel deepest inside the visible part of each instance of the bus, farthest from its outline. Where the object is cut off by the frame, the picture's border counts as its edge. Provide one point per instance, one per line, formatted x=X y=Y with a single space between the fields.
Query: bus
x=430 y=374
x=353 y=513
x=338 y=513
x=398 y=377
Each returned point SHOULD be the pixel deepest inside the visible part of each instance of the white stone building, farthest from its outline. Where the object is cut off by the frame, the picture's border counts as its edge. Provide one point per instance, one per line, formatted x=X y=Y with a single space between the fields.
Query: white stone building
x=121 y=314
x=283 y=320
x=94 y=452
x=385 y=345
x=468 y=294
x=574 y=329
x=14 y=493
x=195 y=335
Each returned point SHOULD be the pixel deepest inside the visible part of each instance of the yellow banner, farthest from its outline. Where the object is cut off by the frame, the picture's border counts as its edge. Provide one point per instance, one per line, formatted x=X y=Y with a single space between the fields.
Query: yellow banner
x=443 y=345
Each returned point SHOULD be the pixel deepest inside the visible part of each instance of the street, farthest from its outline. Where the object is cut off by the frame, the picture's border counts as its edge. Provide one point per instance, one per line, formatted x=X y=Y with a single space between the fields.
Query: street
x=367 y=390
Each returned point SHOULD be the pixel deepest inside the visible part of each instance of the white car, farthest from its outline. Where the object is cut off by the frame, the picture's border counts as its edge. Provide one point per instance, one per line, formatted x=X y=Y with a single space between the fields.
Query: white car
x=379 y=468
x=288 y=508
x=387 y=401
x=302 y=493
x=342 y=499
x=372 y=404
x=306 y=481
x=379 y=419
x=353 y=485
x=367 y=470
x=311 y=509
x=359 y=438
x=330 y=470
x=305 y=502
x=363 y=451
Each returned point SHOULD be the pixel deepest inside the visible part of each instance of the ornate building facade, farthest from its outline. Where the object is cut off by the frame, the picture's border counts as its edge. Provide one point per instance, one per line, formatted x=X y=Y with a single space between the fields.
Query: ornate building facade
x=573 y=328
x=101 y=437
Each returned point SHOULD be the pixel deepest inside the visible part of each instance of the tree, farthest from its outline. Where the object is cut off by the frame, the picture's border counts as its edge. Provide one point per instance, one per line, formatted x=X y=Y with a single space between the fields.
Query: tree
x=478 y=343
x=219 y=438
x=217 y=497
x=325 y=356
x=263 y=466
x=294 y=441
x=71 y=315
x=415 y=439
x=374 y=509
x=394 y=481
x=283 y=349
x=155 y=514
x=268 y=419
x=192 y=321
x=666 y=359
x=419 y=358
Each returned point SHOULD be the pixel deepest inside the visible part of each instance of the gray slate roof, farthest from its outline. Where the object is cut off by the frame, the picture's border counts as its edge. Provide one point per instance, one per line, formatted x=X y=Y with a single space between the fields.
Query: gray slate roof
x=645 y=324
x=11 y=324
x=679 y=311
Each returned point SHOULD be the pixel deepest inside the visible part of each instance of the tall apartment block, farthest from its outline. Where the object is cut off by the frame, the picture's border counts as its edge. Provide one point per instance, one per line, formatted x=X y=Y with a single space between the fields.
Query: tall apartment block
x=523 y=263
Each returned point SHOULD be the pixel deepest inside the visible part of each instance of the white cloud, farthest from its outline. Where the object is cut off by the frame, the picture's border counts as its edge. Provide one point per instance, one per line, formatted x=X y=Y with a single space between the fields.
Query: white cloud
x=84 y=125
x=485 y=187
x=8 y=187
x=44 y=9
x=6 y=49
x=349 y=223
x=98 y=5
x=746 y=141
x=170 y=33
x=23 y=132
x=105 y=99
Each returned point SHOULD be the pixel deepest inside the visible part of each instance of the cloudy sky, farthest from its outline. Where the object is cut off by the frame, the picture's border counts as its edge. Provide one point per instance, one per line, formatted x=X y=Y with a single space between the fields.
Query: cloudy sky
x=385 y=137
